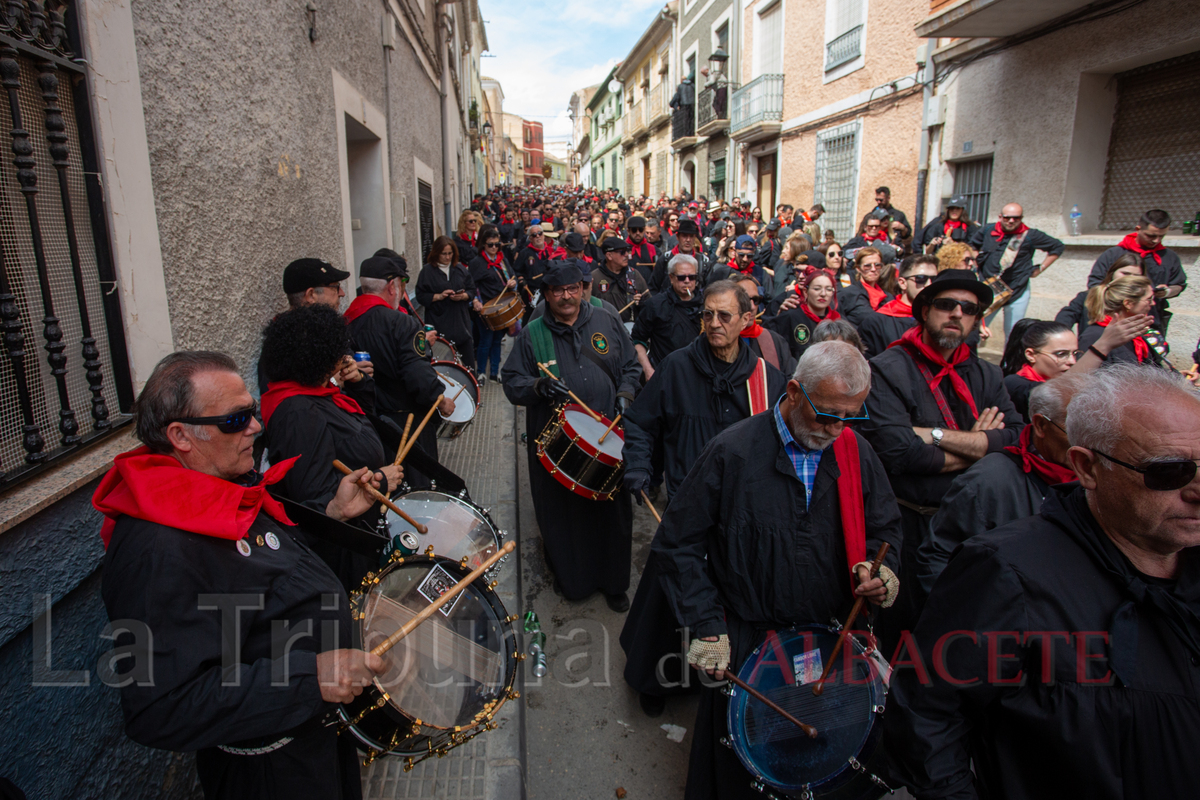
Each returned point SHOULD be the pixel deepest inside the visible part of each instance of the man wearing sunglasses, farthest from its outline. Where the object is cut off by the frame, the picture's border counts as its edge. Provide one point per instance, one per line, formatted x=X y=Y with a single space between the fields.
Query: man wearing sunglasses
x=642 y=254
x=206 y=569
x=887 y=324
x=1007 y=250
x=689 y=243
x=763 y=535
x=936 y=409
x=1093 y=601
x=669 y=320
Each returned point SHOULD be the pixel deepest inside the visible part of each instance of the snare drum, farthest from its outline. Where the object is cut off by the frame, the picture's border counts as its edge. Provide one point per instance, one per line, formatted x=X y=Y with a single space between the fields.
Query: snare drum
x=466 y=402
x=570 y=449
x=443 y=350
x=503 y=312
x=443 y=683
x=845 y=758
x=457 y=529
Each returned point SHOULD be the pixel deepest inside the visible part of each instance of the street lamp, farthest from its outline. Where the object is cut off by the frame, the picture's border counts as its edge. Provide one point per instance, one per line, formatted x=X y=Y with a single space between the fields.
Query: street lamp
x=716 y=63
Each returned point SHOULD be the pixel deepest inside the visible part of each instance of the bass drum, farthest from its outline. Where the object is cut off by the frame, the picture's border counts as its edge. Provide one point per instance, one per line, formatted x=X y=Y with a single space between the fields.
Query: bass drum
x=845 y=759
x=455 y=377
x=442 y=684
x=457 y=529
x=442 y=350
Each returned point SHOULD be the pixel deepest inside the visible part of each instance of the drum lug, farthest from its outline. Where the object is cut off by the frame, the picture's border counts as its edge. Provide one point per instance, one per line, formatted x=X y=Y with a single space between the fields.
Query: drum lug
x=432 y=485
x=725 y=741
x=875 y=779
x=879 y=709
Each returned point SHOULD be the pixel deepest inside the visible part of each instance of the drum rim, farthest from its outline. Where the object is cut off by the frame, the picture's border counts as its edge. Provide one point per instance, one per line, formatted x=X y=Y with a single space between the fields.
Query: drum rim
x=467 y=372
x=584 y=444
x=843 y=774
x=495 y=306
x=477 y=509
x=494 y=603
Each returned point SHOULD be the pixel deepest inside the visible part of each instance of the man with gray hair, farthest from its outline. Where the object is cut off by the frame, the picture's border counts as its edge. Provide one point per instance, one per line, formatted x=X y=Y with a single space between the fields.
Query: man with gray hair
x=1005 y=486
x=771 y=528
x=669 y=320
x=1075 y=633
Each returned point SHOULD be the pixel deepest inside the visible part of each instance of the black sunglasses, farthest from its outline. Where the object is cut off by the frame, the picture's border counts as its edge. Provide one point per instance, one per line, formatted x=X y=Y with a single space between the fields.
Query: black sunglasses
x=1005 y=216
x=758 y=299
x=919 y=280
x=492 y=244
x=684 y=278
x=233 y=422
x=1160 y=476
x=948 y=304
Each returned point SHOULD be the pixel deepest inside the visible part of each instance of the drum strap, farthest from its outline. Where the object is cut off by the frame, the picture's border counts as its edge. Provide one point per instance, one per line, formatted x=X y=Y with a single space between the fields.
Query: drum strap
x=756 y=387
x=850 y=497
x=328 y=529
x=543 y=345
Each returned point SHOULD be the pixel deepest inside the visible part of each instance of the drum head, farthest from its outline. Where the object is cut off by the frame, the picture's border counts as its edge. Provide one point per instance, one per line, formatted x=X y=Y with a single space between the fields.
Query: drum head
x=784 y=668
x=591 y=430
x=455 y=667
x=456 y=528
x=444 y=351
x=629 y=328
x=453 y=378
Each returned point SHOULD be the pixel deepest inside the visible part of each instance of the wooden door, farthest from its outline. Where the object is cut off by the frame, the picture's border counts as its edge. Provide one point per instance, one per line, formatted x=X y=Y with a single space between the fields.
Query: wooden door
x=766 y=185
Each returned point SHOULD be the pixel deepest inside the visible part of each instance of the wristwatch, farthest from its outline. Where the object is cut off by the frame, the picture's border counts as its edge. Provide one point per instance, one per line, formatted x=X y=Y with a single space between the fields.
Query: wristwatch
x=936 y=434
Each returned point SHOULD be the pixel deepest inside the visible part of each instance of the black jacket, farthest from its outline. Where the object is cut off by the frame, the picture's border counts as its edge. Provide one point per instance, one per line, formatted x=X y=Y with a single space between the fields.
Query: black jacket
x=658 y=282
x=1169 y=272
x=1057 y=581
x=796 y=327
x=1126 y=353
x=530 y=267
x=773 y=559
x=404 y=378
x=488 y=282
x=666 y=323
x=1074 y=314
x=642 y=257
x=900 y=400
x=1018 y=388
x=787 y=362
x=619 y=289
x=691 y=398
x=878 y=331
x=937 y=228
x=855 y=304
x=451 y=317
x=991 y=250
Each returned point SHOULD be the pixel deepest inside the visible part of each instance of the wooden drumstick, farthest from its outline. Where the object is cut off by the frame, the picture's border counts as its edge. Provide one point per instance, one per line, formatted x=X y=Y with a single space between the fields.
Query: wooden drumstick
x=408 y=445
x=762 y=698
x=819 y=686
x=574 y=396
x=403 y=439
x=608 y=430
x=451 y=593
x=627 y=307
x=381 y=497
x=653 y=510
x=494 y=299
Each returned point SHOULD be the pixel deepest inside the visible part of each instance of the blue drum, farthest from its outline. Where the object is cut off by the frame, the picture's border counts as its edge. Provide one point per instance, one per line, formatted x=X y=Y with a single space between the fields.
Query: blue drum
x=845 y=758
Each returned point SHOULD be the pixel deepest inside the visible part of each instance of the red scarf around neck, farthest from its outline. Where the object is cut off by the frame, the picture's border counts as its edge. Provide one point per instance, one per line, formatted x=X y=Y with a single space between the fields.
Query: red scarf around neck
x=1130 y=243
x=1030 y=374
x=362 y=304
x=999 y=233
x=1140 y=348
x=754 y=331
x=915 y=346
x=878 y=237
x=951 y=224
x=157 y=488
x=1048 y=471
x=493 y=263
x=896 y=308
x=546 y=252
x=278 y=391
x=875 y=294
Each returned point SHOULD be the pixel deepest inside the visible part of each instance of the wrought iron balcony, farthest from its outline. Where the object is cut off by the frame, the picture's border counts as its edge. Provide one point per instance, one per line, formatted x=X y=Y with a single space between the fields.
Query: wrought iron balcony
x=844 y=48
x=757 y=109
x=712 y=108
x=683 y=124
x=658 y=111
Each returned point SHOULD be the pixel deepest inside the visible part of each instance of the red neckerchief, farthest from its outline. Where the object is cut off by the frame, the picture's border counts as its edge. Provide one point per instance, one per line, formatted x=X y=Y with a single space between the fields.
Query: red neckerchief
x=362 y=304
x=754 y=331
x=880 y=237
x=999 y=233
x=920 y=352
x=830 y=313
x=1140 y=348
x=278 y=391
x=1048 y=471
x=469 y=238
x=1130 y=243
x=951 y=224
x=640 y=248
x=850 y=498
x=896 y=308
x=157 y=488
x=875 y=295
x=498 y=263
x=1030 y=374
x=734 y=266
x=545 y=253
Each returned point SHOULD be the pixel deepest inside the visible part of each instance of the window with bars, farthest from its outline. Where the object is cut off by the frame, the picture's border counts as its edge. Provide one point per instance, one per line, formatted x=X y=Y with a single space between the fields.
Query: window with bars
x=837 y=178
x=973 y=180
x=843 y=32
x=716 y=180
x=64 y=376
x=1154 y=148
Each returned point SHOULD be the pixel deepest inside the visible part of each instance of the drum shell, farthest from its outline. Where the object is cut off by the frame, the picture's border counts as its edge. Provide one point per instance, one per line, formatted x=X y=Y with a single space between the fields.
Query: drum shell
x=460 y=374
x=443 y=350
x=503 y=312
x=577 y=464
x=451 y=513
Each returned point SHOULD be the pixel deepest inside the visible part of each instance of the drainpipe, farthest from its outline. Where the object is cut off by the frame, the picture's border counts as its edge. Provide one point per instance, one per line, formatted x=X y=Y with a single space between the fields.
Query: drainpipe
x=446 y=88
x=928 y=71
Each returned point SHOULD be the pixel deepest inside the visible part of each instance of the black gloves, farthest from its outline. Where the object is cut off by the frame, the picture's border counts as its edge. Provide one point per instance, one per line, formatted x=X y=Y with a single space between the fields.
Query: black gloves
x=554 y=391
x=623 y=404
x=636 y=481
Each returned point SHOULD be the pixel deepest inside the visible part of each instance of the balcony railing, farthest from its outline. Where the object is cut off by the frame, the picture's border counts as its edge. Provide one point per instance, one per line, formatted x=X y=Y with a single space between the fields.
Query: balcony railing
x=712 y=105
x=637 y=117
x=760 y=100
x=846 y=47
x=683 y=122
x=658 y=103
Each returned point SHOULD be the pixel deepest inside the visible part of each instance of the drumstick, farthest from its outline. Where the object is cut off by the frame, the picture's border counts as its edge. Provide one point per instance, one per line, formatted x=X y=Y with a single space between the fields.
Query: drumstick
x=819 y=686
x=653 y=510
x=574 y=396
x=494 y=299
x=381 y=497
x=451 y=593
x=403 y=439
x=627 y=306
x=762 y=698
x=408 y=445
x=608 y=430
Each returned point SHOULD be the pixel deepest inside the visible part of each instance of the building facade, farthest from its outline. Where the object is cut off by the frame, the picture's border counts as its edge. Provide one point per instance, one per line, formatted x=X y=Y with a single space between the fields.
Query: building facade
x=197 y=157
x=646 y=137
x=581 y=136
x=531 y=135
x=607 y=124
x=493 y=130
x=558 y=168
x=705 y=166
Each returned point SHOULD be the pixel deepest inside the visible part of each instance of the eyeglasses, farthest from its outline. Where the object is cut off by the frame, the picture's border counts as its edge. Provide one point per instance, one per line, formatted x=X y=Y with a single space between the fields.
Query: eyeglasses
x=833 y=419
x=871 y=227
x=969 y=260
x=948 y=304
x=708 y=314
x=1011 y=218
x=919 y=280
x=684 y=278
x=562 y=291
x=233 y=422
x=1160 y=476
x=1061 y=356
x=873 y=267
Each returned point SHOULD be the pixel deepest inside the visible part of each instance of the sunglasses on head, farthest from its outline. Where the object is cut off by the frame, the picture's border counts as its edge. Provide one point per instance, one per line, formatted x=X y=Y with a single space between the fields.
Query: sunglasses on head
x=948 y=304
x=833 y=419
x=233 y=422
x=1160 y=476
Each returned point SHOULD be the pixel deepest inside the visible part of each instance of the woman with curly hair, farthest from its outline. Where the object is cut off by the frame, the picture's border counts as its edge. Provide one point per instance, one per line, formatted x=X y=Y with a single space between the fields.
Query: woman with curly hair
x=308 y=418
x=956 y=255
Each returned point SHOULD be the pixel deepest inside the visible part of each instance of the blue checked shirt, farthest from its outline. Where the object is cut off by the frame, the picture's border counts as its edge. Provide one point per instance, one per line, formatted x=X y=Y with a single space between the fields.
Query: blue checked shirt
x=804 y=461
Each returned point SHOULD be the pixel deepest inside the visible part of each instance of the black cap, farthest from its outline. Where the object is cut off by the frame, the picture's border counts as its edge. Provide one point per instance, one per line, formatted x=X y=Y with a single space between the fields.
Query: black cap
x=953 y=279
x=573 y=242
x=306 y=273
x=401 y=261
x=614 y=244
x=637 y=223
x=774 y=224
x=562 y=273
x=957 y=201
x=584 y=268
x=688 y=227
x=382 y=268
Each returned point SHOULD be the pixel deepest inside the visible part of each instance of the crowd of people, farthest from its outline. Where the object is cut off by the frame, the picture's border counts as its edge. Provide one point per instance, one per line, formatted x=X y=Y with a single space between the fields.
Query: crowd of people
x=793 y=398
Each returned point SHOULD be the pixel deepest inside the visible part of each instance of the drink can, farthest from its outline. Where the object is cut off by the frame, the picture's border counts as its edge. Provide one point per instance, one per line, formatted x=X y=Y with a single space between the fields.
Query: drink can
x=539 y=665
x=428 y=328
x=362 y=355
x=537 y=643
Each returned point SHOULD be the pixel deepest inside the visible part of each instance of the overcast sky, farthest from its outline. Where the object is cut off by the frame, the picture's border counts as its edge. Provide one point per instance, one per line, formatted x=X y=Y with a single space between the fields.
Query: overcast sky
x=546 y=50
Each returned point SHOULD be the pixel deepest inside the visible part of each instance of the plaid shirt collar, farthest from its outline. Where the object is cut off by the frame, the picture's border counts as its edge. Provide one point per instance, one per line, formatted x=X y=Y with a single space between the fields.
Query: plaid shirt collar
x=804 y=461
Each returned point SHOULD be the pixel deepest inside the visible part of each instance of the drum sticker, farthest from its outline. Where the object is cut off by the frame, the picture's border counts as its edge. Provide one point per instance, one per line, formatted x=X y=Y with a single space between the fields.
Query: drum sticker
x=600 y=343
x=420 y=344
x=807 y=666
x=802 y=334
x=436 y=584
